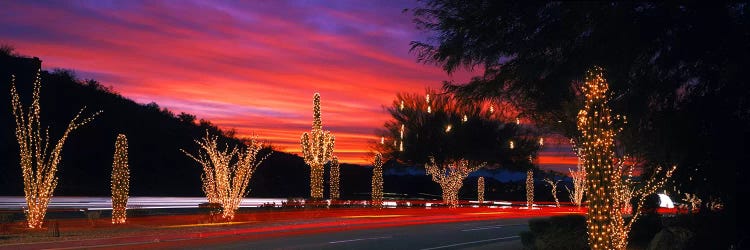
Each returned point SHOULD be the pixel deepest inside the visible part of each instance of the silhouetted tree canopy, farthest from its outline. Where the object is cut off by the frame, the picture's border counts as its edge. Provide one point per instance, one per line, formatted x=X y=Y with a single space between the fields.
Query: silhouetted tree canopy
x=444 y=134
x=677 y=70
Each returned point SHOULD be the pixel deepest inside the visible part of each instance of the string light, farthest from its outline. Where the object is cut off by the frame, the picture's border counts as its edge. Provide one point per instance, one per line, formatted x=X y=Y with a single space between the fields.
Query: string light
x=401 y=107
x=226 y=172
x=492 y=108
x=120 y=180
x=448 y=128
x=553 y=184
x=465 y=119
x=429 y=109
x=377 y=181
x=317 y=148
x=402 y=132
x=334 y=178
x=450 y=175
x=530 y=188
x=579 y=185
x=541 y=141
x=511 y=144
x=518 y=121
x=38 y=161
x=480 y=190
x=609 y=183
x=382 y=140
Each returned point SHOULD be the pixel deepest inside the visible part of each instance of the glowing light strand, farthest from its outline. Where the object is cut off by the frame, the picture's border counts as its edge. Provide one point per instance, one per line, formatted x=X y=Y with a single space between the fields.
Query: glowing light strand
x=530 y=188
x=317 y=149
x=38 y=161
x=120 y=180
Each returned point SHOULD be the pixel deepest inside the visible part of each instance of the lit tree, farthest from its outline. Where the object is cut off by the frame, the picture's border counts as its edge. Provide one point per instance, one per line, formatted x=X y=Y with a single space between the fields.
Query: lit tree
x=120 y=180
x=480 y=190
x=452 y=138
x=334 y=178
x=226 y=172
x=608 y=193
x=377 y=181
x=450 y=176
x=38 y=161
x=529 y=189
x=553 y=184
x=317 y=148
x=579 y=182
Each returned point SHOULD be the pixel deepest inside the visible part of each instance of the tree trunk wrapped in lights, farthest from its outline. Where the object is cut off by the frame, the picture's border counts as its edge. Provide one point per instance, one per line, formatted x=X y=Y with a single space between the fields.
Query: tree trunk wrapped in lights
x=553 y=184
x=317 y=149
x=377 y=181
x=334 y=178
x=607 y=192
x=450 y=175
x=480 y=190
x=529 y=189
x=226 y=172
x=120 y=180
x=38 y=161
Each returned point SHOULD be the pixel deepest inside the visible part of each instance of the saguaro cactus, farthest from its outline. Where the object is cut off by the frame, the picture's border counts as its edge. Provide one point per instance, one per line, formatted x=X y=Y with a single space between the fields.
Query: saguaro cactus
x=120 y=180
x=334 y=178
x=377 y=181
x=450 y=175
x=317 y=149
x=480 y=190
x=530 y=189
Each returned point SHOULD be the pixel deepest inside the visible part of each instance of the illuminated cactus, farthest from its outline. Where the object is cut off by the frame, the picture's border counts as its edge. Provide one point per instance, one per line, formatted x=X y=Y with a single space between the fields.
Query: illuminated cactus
x=608 y=183
x=480 y=190
x=529 y=189
x=377 y=181
x=317 y=149
x=38 y=161
x=120 y=180
x=334 y=178
x=553 y=184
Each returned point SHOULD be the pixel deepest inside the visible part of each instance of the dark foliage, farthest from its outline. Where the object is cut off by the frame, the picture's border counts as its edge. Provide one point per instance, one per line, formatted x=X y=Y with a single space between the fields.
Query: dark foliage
x=558 y=232
x=676 y=69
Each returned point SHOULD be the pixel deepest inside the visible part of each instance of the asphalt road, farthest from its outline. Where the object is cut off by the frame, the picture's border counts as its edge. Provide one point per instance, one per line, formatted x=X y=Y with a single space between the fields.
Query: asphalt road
x=489 y=234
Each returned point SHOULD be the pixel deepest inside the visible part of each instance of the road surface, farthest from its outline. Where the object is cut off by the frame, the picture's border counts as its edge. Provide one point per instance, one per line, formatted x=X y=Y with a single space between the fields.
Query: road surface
x=487 y=234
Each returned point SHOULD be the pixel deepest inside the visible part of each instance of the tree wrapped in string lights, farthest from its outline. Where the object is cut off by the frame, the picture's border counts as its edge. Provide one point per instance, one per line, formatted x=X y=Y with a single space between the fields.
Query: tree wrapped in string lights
x=377 y=181
x=607 y=192
x=334 y=178
x=120 y=180
x=317 y=149
x=529 y=189
x=553 y=184
x=38 y=161
x=480 y=190
x=226 y=172
x=579 y=181
x=450 y=176
x=452 y=137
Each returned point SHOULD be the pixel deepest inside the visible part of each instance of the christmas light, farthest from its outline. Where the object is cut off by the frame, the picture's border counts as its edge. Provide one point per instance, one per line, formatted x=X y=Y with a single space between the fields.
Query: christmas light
x=511 y=144
x=377 y=181
x=448 y=128
x=553 y=184
x=492 y=108
x=120 y=180
x=450 y=175
x=401 y=107
x=226 y=172
x=382 y=140
x=541 y=141
x=609 y=184
x=38 y=161
x=334 y=178
x=480 y=190
x=529 y=189
x=465 y=119
x=317 y=148
x=518 y=121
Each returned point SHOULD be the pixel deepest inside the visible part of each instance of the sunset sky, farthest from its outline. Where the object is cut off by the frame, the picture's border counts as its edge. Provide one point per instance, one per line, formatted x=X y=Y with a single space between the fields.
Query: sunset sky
x=253 y=65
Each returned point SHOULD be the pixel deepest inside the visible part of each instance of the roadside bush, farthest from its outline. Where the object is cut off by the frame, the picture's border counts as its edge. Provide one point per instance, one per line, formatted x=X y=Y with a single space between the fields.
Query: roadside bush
x=558 y=232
